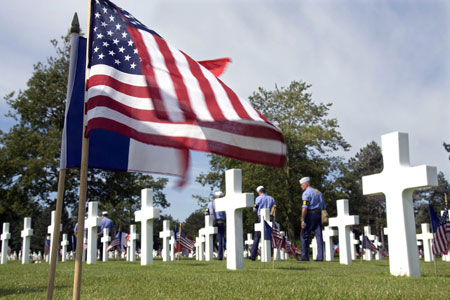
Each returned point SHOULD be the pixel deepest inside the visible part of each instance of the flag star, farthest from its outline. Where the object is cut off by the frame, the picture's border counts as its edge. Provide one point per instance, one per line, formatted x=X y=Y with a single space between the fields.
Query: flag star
x=104 y=24
x=105 y=10
x=133 y=65
x=97 y=15
x=124 y=34
x=99 y=36
x=111 y=53
x=105 y=44
x=121 y=49
x=95 y=28
x=116 y=61
x=127 y=57
x=130 y=43
x=109 y=32
x=135 y=51
x=101 y=56
x=118 y=26
x=116 y=42
x=97 y=1
x=96 y=49
x=111 y=18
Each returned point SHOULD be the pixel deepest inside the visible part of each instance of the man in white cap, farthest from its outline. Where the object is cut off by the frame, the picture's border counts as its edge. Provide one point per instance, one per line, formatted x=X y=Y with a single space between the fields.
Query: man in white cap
x=219 y=221
x=312 y=205
x=106 y=223
x=262 y=201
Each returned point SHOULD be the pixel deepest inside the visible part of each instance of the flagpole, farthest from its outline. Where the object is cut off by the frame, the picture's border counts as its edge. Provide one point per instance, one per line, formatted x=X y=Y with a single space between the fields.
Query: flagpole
x=74 y=30
x=83 y=184
x=178 y=240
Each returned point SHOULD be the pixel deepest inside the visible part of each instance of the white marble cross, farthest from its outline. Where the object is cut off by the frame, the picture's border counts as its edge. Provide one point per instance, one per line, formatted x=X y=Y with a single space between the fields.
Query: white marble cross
x=26 y=234
x=282 y=252
x=368 y=255
x=314 y=247
x=232 y=204
x=343 y=221
x=93 y=221
x=133 y=237
x=5 y=238
x=172 y=248
x=248 y=243
x=146 y=215
x=165 y=235
x=327 y=235
x=201 y=247
x=50 y=231
x=64 y=244
x=427 y=237
x=197 y=248
x=397 y=182
x=105 y=242
x=266 y=252
x=377 y=243
x=209 y=232
x=353 y=242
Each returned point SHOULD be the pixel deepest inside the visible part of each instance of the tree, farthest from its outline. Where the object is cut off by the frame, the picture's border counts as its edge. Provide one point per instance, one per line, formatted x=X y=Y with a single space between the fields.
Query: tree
x=371 y=209
x=30 y=152
x=194 y=222
x=310 y=138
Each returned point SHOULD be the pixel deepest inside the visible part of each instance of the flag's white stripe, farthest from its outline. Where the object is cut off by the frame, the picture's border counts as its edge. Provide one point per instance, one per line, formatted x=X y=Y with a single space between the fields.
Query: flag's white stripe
x=199 y=107
x=165 y=84
x=196 y=96
x=189 y=131
x=221 y=96
x=134 y=102
x=250 y=110
x=131 y=79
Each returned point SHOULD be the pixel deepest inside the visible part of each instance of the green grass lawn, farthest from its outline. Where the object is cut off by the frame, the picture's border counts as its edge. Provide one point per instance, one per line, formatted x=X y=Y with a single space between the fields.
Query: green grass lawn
x=189 y=279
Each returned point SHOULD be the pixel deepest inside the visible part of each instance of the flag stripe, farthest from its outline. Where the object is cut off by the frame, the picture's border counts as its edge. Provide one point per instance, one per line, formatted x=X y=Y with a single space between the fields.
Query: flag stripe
x=271 y=159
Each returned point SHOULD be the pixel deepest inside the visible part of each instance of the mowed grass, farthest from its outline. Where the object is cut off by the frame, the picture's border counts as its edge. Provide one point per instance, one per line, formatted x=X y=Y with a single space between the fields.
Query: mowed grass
x=190 y=279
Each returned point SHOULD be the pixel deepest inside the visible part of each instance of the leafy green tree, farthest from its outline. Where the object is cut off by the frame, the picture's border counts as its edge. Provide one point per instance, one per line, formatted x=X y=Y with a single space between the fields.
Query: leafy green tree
x=30 y=153
x=311 y=138
x=371 y=209
x=194 y=222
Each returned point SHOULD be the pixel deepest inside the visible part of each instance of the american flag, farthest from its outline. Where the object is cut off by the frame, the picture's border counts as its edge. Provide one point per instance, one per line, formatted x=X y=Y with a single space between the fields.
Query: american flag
x=142 y=87
x=367 y=244
x=185 y=241
x=441 y=232
x=119 y=241
x=277 y=239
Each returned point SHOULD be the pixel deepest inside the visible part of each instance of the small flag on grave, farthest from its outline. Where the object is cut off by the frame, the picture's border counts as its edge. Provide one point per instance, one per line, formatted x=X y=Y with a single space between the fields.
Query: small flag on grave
x=367 y=244
x=441 y=231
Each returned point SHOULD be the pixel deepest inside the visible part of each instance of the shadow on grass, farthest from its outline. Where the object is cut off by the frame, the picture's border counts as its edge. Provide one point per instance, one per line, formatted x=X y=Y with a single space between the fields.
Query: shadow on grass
x=296 y=268
x=42 y=289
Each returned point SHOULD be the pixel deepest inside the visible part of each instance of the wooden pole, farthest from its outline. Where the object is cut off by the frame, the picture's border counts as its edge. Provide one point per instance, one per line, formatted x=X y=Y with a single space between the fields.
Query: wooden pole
x=74 y=30
x=55 y=240
x=83 y=187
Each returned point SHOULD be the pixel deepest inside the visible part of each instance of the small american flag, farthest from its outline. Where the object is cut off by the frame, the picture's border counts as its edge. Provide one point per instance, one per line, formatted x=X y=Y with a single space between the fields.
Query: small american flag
x=141 y=87
x=185 y=241
x=277 y=239
x=367 y=244
x=441 y=232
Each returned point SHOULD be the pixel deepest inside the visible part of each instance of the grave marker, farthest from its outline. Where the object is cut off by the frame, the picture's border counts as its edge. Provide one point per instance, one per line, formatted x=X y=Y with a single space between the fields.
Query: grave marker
x=26 y=234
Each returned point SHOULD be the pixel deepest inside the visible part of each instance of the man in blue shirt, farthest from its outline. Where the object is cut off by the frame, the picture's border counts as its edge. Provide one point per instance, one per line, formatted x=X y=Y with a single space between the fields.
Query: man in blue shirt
x=219 y=218
x=262 y=201
x=312 y=205
x=106 y=223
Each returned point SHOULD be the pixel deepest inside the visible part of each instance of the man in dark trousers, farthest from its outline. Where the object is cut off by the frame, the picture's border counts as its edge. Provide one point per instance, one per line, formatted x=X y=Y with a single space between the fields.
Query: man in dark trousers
x=219 y=221
x=312 y=205
x=262 y=201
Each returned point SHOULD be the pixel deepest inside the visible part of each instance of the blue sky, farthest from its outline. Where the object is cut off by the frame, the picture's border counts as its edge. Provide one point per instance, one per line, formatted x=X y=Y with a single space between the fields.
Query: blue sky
x=383 y=64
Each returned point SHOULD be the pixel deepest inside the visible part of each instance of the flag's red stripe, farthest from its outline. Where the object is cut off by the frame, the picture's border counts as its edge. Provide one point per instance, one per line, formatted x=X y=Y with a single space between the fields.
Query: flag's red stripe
x=249 y=130
x=147 y=71
x=210 y=98
x=237 y=105
x=177 y=79
x=130 y=90
x=253 y=156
